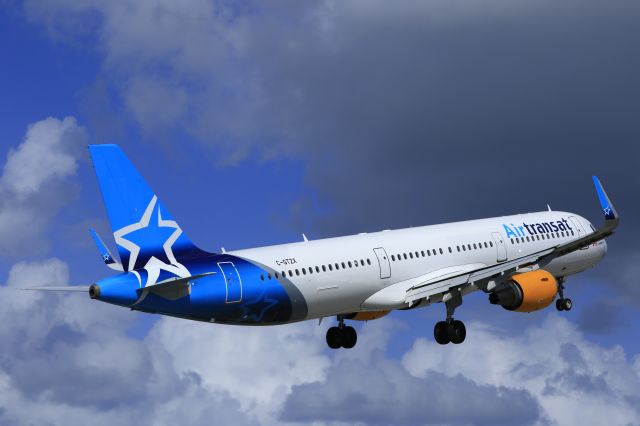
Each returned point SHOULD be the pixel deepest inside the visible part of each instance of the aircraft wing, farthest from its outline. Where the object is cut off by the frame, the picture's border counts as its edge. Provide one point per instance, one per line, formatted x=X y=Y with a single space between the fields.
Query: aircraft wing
x=410 y=291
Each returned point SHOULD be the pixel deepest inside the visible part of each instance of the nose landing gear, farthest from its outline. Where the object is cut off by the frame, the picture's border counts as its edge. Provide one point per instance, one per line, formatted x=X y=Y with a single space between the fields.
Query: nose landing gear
x=563 y=303
x=341 y=336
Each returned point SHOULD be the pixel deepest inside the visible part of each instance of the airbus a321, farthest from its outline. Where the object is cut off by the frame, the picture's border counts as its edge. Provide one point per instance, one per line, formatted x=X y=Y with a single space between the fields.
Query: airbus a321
x=521 y=262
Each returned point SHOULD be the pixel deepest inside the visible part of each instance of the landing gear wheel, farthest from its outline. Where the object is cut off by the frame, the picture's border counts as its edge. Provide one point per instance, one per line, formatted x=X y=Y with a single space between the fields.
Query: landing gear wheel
x=457 y=332
x=349 y=337
x=441 y=333
x=567 y=304
x=564 y=304
x=334 y=337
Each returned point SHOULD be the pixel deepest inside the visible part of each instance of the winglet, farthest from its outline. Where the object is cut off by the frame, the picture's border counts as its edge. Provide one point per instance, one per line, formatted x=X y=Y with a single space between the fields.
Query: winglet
x=610 y=213
x=105 y=253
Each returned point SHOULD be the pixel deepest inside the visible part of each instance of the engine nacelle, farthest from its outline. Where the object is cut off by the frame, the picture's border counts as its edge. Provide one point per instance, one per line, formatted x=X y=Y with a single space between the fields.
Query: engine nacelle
x=527 y=292
x=366 y=316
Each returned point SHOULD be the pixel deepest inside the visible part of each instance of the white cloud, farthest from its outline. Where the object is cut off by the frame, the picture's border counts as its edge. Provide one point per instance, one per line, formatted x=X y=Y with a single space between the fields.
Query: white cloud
x=36 y=182
x=49 y=152
x=70 y=359
x=575 y=381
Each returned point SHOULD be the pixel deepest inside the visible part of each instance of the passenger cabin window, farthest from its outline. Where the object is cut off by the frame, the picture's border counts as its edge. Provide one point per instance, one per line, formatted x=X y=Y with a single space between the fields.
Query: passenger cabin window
x=368 y=262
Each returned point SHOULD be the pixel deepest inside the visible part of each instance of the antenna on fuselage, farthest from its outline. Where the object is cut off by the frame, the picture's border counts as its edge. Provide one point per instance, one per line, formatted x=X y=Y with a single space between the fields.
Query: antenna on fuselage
x=549 y=207
x=304 y=237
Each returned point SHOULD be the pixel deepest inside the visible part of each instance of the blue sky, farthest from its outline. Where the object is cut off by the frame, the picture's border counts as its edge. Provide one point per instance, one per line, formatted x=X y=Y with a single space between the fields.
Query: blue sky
x=258 y=121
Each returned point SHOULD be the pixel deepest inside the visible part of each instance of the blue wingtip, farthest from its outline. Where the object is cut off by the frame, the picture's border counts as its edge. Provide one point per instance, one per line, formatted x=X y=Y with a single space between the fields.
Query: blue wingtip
x=605 y=203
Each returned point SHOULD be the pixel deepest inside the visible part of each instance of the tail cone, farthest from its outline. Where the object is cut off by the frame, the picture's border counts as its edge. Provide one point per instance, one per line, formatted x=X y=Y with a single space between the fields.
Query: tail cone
x=94 y=291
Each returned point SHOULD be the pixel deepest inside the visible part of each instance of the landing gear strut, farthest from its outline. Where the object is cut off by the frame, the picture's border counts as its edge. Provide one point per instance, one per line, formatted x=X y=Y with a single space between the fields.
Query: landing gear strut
x=562 y=303
x=450 y=331
x=341 y=336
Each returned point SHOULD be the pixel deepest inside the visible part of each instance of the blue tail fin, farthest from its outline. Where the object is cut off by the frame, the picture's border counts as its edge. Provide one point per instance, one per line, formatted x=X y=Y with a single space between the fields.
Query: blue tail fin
x=144 y=231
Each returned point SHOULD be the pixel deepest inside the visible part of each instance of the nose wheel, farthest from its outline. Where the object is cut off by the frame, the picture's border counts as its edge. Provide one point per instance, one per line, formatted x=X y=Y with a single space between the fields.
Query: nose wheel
x=563 y=303
x=342 y=336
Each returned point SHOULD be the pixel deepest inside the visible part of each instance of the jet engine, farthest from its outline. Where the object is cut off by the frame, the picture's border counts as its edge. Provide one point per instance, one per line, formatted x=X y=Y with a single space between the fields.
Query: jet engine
x=366 y=316
x=527 y=292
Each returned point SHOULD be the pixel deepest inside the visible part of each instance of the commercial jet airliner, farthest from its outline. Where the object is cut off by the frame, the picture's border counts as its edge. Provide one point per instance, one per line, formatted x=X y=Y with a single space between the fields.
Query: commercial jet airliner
x=521 y=262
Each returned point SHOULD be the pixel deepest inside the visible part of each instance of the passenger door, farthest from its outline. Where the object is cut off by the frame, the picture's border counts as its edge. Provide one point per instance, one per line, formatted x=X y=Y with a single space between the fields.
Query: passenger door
x=232 y=281
x=502 y=249
x=383 y=261
x=578 y=226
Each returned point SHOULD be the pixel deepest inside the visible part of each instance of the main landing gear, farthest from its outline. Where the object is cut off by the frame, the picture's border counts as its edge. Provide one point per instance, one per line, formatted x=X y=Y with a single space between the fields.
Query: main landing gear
x=450 y=331
x=341 y=336
x=562 y=303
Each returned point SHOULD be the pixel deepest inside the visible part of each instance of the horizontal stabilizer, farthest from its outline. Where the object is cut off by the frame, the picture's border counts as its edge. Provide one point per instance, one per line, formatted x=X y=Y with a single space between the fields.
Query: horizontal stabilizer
x=171 y=289
x=59 y=288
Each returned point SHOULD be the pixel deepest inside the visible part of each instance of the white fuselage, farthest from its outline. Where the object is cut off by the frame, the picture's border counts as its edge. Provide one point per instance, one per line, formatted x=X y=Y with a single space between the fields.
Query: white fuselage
x=362 y=265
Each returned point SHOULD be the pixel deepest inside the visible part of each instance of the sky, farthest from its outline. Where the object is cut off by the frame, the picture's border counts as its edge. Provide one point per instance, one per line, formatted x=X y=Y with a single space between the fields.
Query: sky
x=256 y=122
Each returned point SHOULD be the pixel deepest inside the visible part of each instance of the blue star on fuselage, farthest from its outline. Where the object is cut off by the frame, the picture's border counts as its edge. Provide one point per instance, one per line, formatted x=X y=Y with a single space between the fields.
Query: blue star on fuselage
x=258 y=307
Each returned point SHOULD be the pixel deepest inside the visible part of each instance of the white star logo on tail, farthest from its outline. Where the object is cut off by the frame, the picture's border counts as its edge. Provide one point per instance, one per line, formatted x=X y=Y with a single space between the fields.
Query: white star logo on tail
x=153 y=265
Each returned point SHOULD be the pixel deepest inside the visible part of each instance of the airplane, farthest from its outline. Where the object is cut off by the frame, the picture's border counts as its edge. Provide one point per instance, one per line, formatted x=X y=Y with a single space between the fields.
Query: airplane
x=520 y=261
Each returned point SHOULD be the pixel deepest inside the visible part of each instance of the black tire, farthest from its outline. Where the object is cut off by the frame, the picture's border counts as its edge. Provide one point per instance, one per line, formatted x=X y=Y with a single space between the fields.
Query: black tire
x=457 y=332
x=349 y=337
x=560 y=304
x=441 y=333
x=334 y=337
x=567 y=304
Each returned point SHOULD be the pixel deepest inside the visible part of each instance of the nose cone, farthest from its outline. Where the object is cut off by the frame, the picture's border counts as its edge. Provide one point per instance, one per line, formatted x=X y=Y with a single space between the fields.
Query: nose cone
x=119 y=290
